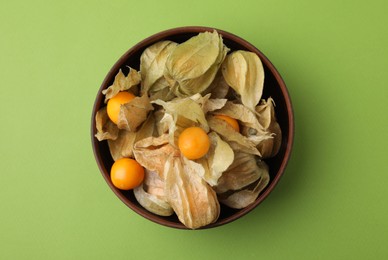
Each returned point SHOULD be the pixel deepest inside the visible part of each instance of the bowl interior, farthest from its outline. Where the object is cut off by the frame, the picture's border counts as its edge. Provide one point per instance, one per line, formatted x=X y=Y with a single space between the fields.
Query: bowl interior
x=274 y=87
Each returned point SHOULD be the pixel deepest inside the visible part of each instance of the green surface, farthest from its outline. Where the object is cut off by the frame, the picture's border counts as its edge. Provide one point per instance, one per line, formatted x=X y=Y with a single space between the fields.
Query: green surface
x=330 y=204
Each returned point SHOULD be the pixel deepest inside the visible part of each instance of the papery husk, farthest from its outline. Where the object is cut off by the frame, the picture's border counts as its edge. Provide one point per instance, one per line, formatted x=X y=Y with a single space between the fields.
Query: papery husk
x=193 y=200
x=245 y=197
x=207 y=103
x=241 y=173
x=106 y=129
x=123 y=145
x=218 y=88
x=134 y=113
x=187 y=108
x=147 y=129
x=150 y=194
x=193 y=64
x=164 y=93
x=153 y=152
x=152 y=203
x=250 y=125
x=244 y=115
x=244 y=72
x=237 y=141
x=162 y=127
x=152 y=65
x=122 y=83
x=180 y=114
x=219 y=157
x=267 y=117
x=154 y=184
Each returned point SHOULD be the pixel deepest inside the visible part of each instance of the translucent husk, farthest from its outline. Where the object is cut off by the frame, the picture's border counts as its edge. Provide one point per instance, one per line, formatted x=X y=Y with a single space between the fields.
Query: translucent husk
x=207 y=103
x=152 y=64
x=193 y=200
x=244 y=72
x=106 y=129
x=242 y=172
x=122 y=83
x=153 y=152
x=218 y=88
x=151 y=195
x=134 y=113
x=193 y=65
x=180 y=114
x=242 y=183
x=123 y=145
x=243 y=198
x=236 y=140
x=219 y=157
x=267 y=117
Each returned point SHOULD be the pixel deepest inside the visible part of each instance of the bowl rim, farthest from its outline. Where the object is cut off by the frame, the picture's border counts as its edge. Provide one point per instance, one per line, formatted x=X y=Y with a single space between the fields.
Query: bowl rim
x=231 y=37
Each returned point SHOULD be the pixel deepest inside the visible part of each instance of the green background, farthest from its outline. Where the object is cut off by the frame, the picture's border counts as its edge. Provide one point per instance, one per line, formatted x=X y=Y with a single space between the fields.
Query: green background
x=330 y=204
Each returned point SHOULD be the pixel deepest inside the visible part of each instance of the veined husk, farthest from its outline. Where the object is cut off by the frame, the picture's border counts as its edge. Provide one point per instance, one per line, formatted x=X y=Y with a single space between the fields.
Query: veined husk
x=152 y=64
x=134 y=113
x=106 y=129
x=207 y=103
x=267 y=117
x=122 y=83
x=237 y=141
x=164 y=93
x=244 y=72
x=243 y=198
x=241 y=173
x=218 y=88
x=180 y=114
x=150 y=194
x=122 y=146
x=219 y=157
x=193 y=65
x=153 y=152
x=193 y=200
x=242 y=182
x=248 y=121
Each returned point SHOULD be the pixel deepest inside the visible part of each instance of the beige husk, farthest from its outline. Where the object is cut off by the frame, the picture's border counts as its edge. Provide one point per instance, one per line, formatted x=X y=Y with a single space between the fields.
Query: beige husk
x=134 y=113
x=219 y=157
x=243 y=198
x=123 y=145
x=236 y=140
x=151 y=195
x=193 y=65
x=244 y=72
x=266 y=116
x=121 y=83
x=152 y=64
x=153 y=152
x=192 y=199
x=106 y=129
x=241 y=184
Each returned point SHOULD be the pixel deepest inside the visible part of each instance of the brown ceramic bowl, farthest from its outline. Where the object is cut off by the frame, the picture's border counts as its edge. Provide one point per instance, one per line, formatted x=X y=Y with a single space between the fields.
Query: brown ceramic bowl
x=274 y=86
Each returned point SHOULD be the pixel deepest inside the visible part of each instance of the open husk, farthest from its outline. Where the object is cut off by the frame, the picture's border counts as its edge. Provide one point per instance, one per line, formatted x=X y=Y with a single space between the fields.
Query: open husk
x=193 y=200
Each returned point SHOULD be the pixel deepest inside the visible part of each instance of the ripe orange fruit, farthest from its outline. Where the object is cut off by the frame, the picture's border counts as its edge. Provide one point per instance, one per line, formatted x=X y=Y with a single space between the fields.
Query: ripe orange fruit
x=113 y=106
x=126 y=174
x=193 y=143
x=231 y=121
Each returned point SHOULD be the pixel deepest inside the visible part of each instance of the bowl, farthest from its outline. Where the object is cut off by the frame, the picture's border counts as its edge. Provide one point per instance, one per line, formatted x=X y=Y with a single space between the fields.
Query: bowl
x=274 y=87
